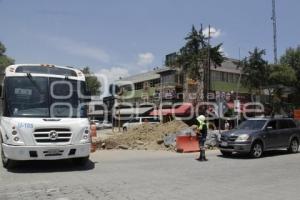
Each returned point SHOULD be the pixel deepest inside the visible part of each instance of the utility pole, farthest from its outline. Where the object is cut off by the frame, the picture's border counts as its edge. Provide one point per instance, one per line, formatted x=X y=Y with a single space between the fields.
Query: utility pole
x=208 y=60
x=237 y=91
x=204 y=75
x=274 y=30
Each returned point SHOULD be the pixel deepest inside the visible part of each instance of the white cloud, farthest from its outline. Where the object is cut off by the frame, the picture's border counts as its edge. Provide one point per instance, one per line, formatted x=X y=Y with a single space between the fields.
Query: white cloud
x=78 y=48
x=145 y=59
x=114 y=73
x=224 y=52
x=214 y=33
x=108 y=76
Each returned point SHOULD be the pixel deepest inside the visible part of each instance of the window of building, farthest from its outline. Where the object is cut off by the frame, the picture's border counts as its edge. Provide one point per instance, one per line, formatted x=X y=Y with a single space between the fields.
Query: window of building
x=233 y=78
x=224 y=76
x=138 y=86
x=216 y=76
x=154 y=82
x=168 y=79
x=146 y=85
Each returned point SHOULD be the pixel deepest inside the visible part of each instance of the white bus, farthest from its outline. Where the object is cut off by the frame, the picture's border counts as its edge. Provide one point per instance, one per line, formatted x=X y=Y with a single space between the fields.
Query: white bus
x=44 y=114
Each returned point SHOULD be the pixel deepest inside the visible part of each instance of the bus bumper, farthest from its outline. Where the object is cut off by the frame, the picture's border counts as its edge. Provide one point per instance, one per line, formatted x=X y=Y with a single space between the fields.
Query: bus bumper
x=46 y=152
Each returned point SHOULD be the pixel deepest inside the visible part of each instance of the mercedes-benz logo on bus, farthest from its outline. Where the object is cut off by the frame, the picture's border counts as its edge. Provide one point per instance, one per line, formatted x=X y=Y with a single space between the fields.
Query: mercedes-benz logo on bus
x=53 y=135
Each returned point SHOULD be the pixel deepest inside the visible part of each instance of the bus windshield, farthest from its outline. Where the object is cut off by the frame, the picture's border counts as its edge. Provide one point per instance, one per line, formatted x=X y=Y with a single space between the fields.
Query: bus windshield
x=31 y=96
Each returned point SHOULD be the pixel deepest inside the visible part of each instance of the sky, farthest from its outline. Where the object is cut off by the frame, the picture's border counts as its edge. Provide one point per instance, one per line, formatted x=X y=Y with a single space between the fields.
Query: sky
x=120 y=38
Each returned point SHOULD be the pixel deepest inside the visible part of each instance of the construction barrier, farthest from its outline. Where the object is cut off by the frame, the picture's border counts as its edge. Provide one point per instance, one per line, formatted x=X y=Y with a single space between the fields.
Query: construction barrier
x=93 y=138
x=187 y=144
x=297 y=114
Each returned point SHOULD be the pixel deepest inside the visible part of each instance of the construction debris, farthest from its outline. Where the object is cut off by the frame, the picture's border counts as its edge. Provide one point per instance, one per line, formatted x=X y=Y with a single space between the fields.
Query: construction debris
x=155 y=137
x=144 y=137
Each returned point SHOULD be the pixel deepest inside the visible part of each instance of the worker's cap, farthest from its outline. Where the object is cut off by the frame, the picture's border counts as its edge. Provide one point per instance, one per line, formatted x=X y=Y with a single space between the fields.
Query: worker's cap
x=201 y=118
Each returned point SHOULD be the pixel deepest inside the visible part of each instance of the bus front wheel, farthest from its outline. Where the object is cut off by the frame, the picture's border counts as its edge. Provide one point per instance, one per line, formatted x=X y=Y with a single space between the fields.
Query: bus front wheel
x=6 y=162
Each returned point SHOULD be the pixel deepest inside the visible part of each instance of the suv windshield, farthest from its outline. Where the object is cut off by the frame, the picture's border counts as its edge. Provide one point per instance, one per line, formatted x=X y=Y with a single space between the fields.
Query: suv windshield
x=252 y=125
x=44 y=97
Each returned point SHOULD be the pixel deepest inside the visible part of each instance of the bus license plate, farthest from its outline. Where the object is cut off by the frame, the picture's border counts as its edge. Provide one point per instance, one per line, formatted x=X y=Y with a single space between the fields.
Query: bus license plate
x=53 y=151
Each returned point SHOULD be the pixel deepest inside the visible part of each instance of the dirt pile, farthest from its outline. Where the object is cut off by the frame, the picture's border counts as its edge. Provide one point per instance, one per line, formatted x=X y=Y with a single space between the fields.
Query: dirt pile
x=143 y=137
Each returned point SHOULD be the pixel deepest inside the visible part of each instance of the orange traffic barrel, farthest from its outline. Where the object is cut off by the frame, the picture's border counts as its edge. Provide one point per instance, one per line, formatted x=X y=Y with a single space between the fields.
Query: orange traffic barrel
x=93 y=138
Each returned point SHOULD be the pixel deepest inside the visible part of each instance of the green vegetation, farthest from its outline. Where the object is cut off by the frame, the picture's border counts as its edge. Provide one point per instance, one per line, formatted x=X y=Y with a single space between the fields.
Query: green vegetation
x=92 y=82
x=139 y=93
x=291 y=58
x=195 y=56
x=227 y=87
x=255 y=71
x=259 y=76
x=282 y=74
x=4 y=59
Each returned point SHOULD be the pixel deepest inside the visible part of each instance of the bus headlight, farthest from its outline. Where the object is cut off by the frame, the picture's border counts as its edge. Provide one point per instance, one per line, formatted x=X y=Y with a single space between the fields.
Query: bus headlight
x=15 y=137
x=16 y=140
x=86 y=135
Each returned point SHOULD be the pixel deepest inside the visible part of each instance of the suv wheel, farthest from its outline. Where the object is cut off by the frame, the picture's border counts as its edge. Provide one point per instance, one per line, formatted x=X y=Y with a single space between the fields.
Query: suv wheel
x=256 y=150
x=294 y=146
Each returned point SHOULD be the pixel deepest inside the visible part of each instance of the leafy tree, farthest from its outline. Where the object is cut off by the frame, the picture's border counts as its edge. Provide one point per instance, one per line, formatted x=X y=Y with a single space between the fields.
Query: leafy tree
x=255 y=71
x=282 y=74
x=292 y=58
x=192 y=58
x=4 y=59
x=92 y=82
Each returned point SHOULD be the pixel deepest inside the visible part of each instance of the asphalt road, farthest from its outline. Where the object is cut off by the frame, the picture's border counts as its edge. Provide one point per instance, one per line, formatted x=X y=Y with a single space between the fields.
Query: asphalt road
x=156 y=175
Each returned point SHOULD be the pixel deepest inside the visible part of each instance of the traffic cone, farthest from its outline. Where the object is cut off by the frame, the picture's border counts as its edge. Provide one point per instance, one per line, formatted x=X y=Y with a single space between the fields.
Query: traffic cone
x=93 y=138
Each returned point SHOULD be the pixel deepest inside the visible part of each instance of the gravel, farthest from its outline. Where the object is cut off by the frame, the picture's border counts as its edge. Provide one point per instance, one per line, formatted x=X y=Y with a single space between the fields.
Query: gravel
x=146 y=136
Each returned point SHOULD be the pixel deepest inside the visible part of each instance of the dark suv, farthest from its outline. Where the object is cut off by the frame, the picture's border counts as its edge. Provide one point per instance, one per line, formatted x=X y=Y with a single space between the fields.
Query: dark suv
x=255 y=136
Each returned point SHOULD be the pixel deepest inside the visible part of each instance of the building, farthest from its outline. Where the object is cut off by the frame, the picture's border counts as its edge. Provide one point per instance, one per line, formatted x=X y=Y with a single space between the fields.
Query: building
x=155 y=92
x=171 y=85
x=140 y=88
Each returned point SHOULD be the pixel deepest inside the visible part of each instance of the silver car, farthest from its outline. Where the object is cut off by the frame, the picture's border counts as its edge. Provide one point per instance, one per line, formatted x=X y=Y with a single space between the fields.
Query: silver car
x=256 y=136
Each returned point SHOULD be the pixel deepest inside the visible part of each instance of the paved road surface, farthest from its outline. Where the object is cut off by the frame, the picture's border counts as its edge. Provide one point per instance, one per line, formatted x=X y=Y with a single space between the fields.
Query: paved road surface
x=145 y=175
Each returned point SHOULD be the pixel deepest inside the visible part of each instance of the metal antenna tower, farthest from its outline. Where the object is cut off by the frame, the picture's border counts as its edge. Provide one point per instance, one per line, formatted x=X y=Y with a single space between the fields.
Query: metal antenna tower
x=274 y=30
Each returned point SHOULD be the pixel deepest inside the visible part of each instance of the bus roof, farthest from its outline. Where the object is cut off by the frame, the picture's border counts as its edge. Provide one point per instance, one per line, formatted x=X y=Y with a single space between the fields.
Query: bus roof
x=46 y=70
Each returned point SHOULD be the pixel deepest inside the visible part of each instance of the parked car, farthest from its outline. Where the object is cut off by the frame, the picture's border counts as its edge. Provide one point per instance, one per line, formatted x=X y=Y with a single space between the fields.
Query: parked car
x=140 y=120
x=96 y=122
x=255 y=136
x=105 y=124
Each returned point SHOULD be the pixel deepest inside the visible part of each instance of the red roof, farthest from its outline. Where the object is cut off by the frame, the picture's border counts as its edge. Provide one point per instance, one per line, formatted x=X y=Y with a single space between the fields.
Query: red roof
x=183 y=109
